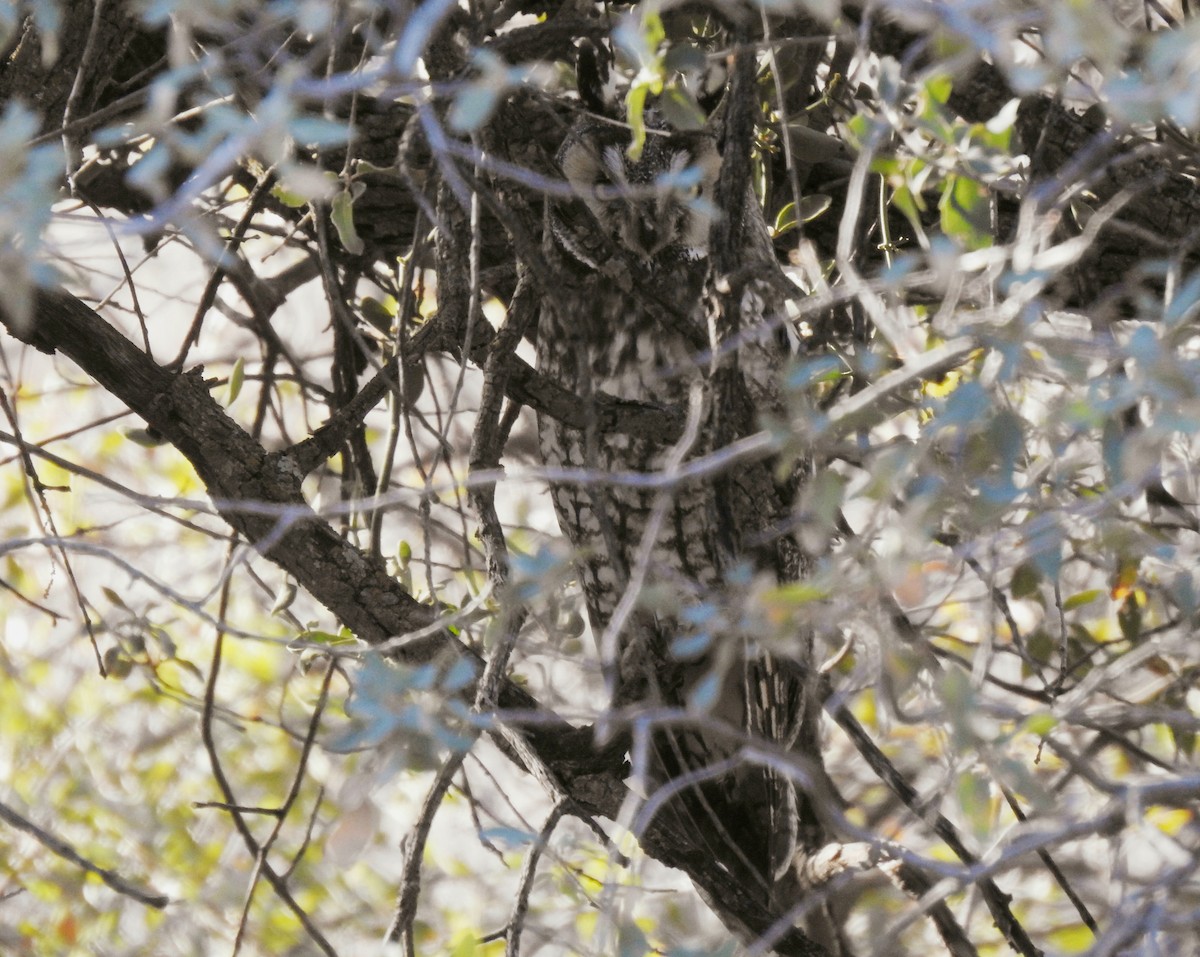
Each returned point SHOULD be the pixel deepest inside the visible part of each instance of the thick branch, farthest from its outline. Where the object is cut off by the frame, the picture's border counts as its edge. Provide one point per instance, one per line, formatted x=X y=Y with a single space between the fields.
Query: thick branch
x=258 y=494
x=523 y=384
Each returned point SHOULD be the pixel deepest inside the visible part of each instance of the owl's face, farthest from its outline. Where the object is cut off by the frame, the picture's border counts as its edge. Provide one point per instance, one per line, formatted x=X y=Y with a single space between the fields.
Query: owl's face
x=659 y=206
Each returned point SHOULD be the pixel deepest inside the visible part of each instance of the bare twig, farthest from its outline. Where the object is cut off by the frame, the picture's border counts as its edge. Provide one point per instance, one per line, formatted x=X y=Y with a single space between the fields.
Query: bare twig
x=261 y=864
x=401 y=927
x=1056 y=872
x=36 y=490
x=64 y=850
x=516 y=919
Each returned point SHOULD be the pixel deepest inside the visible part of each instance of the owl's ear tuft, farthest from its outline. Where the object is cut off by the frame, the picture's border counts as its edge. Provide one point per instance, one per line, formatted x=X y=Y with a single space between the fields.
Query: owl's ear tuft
x=591 y=76
x=715 y=124
x=711 y=95
x=712 y=98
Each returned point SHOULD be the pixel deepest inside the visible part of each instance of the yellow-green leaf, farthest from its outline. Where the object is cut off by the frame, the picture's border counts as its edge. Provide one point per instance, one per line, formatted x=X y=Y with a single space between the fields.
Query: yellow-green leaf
x=966 y=212
x=236 y=378
x=378 y=314
x=117 y=663
x=289 y=197
x=1082 y=598
x=113 y=597
x=341 y=214
x=1040 y=724
x=813 y=205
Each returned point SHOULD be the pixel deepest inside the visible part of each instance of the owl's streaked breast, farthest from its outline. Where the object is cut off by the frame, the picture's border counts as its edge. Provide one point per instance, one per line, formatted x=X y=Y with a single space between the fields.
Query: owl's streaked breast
x=628 y=318
x=600 y=339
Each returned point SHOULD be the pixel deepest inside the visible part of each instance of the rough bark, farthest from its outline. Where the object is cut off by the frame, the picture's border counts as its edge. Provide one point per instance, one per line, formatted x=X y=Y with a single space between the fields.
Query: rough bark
x=258 y=493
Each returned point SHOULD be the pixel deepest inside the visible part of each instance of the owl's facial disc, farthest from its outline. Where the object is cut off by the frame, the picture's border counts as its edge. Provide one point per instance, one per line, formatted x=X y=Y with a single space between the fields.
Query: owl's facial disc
x=659 y=205
x=641 y=231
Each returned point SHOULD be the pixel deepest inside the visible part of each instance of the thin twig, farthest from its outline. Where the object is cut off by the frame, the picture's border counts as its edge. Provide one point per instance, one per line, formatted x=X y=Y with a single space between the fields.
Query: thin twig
x=71 y=149
x=64 y=850
x=996 y=900
x=36 y=490
x=1056 y=872
x=210 y=746
x=516 y=919
x=401 y=928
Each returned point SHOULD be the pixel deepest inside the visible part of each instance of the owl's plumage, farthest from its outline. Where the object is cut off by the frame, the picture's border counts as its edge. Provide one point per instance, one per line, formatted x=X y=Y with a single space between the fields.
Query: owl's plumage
x=627 y=340
x=656 y=207
x=629 y=319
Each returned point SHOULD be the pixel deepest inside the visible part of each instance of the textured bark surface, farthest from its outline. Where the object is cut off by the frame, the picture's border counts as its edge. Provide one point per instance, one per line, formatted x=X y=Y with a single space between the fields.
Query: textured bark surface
x=355 y=587
x=1159 y=201
x=259 y=492
x=100 y=45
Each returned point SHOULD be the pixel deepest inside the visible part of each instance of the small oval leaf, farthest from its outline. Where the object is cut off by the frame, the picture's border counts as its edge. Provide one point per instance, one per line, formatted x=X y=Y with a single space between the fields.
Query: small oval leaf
x=236 y=377
x=341 y=214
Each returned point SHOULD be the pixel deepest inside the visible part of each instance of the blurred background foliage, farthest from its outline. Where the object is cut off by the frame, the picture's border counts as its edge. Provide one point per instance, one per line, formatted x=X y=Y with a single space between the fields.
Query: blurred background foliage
x=988 y=213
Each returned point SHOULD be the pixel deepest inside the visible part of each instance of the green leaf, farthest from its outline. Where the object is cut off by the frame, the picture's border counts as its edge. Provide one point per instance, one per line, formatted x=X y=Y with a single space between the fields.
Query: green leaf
x=1129 y=618
x=910 y=204
x=680 y=109
x=861 y=128
x=236 y=377
x=321 y=637
x=1072 y=939
x=341 y=214
x=939 y=88
x=653 y=31
x=289 y=197
x=1000 y=139
x=635 y=111
x=1185 y=740
x=116 y=663
x=1083 y=598
x=975 y=798
x=810 y=208
x=146 y=438
x=785 y=219
x=378 y=314
x=114 y=598
x=823 y=497
x=815 y=371
x=164 y=641
x=966 y=212
x=793 y=595
x=1041 y=724
x=813 y=205
x=284 y=598
x=1026 y=581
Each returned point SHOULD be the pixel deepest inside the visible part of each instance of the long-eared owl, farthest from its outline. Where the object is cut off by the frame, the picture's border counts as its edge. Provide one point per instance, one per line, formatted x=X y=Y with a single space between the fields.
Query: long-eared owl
x=629 y=317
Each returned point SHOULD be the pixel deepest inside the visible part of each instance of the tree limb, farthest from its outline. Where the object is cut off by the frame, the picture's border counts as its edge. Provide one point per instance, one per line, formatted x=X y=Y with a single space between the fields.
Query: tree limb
x=259 y=494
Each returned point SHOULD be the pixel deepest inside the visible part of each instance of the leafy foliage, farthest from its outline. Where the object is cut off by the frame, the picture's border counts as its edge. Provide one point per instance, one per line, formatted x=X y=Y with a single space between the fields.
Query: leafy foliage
x=985 y=213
